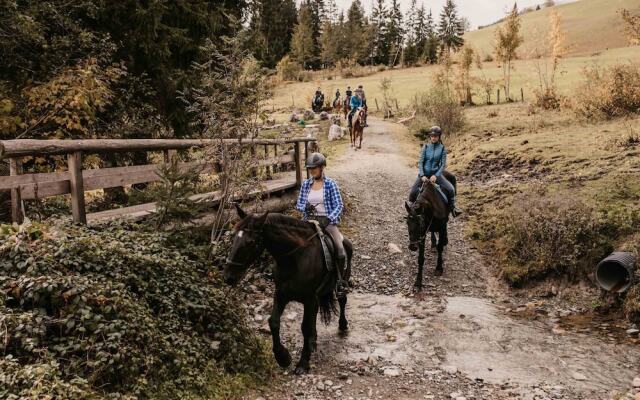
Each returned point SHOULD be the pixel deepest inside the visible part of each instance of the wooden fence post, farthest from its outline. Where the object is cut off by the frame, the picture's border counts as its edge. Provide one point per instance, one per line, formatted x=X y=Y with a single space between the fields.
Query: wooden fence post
x=266 y=156
x=306 y=155
x=77 y=187
x=397 y=108
x=15 y=168
x=377 y=108
x=169 y=155
x=297 y=150
x=522 y=94
x=498 y=102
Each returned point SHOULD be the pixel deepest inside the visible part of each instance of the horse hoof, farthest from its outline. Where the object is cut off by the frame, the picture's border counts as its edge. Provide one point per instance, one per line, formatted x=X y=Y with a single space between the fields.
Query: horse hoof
x=283 y=358
x=417 y=287
x=438 y=272
x=301 y=370
x=343 y=326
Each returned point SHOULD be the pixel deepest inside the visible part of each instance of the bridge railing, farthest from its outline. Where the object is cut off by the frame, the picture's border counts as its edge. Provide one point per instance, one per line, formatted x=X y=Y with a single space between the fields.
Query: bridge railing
x=76 y=180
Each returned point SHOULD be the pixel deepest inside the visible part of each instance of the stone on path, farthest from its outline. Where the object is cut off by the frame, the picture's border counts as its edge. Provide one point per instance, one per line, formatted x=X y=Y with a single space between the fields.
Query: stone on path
x=392 y=371
x=579 y=377
x=636 y=382
x=450 y=369
x=320 y=386
x=394 y=249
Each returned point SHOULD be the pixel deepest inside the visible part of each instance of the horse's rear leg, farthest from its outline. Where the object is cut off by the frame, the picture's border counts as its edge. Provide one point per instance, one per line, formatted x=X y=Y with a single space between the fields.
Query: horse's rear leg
x=434 y=241
x=308 y=332
x=279 y=351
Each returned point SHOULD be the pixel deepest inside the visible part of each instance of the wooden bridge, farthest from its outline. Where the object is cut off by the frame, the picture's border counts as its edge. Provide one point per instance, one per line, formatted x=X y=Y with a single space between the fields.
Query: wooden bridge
x=272 y=155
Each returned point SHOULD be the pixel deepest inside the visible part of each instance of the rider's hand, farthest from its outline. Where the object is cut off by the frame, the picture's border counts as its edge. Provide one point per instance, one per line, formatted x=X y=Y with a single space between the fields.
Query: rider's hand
x=433 y=179
x=424 y=179
x=309 y=208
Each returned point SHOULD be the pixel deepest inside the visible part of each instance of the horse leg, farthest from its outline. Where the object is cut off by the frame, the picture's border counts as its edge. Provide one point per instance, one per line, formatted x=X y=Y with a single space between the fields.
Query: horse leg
x=434 y=240
x=308 y=328
x=343 y=324
x=418 y=284
x=360 y=137
x=442 y=239
x=279 y=351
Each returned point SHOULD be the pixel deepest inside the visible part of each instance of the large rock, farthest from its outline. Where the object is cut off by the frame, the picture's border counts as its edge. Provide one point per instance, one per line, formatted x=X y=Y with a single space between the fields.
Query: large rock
x=309 y=115
x=294 y=117
x=335 y=133
x=324 y=116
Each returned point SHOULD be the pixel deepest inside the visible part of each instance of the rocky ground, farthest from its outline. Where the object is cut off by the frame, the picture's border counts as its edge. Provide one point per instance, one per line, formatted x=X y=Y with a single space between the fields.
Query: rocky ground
x=460 y=337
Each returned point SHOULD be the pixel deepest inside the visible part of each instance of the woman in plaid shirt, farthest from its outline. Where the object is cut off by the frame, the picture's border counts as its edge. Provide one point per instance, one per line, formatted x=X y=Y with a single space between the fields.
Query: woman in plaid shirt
x=320 y=200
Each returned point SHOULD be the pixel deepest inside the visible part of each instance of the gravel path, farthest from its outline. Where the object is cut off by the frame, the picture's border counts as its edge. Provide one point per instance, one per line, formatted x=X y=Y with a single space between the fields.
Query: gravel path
x=453 y=340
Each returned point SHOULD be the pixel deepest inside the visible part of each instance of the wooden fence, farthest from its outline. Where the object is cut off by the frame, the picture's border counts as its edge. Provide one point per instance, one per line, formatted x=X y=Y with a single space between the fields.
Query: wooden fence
x=76 y=180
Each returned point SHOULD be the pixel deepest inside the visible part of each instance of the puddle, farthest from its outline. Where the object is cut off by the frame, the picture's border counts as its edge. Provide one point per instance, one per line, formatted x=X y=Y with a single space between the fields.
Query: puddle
x=486 y=344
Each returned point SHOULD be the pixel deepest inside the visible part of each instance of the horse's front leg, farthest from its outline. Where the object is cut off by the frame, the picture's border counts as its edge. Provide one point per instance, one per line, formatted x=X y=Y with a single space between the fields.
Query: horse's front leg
x=343 y=324
x=418 y=284
x=434 y=240
x=279 y=351
x=442 y=241
x=308 y=330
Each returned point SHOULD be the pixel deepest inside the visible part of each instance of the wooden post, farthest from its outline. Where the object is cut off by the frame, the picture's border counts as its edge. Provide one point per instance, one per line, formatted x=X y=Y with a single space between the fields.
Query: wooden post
x=498 y=102
x=377 y=108
x=266 y=156
x=297 y=159
x=77 y=187
x=252 y=151
x=15 y=168
x=169 y=155
x=397 y=108
x=522 y=94
x=306 y=155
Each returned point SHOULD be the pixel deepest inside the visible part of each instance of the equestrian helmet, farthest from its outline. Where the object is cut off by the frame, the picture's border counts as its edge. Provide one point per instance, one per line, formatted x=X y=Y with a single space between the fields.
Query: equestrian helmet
x=316 y=160
x=435 y=131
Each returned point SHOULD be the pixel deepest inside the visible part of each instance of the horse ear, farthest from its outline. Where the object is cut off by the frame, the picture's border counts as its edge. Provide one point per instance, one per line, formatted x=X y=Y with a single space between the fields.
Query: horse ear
x=240 y=211
x=410 y=209
x=261 y=219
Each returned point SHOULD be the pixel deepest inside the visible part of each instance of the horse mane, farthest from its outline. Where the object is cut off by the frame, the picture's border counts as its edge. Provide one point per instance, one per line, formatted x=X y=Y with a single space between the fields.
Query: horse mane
x=429 y=199
x=290 y=228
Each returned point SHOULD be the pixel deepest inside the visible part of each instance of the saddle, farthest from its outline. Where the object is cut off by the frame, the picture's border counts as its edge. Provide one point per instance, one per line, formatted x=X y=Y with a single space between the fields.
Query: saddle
x=440 y=192
x=330 y=259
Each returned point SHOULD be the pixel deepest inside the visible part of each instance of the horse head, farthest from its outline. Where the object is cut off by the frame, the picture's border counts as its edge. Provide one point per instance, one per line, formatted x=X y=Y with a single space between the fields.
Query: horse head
x=415 y=224
x=247 y=245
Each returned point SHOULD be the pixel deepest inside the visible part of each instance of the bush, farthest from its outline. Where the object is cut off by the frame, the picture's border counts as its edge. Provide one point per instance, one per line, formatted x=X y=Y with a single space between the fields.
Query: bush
x=541 y=235
x=437 y=107
x=288 y=69
x=111 y=310
x=609 y=92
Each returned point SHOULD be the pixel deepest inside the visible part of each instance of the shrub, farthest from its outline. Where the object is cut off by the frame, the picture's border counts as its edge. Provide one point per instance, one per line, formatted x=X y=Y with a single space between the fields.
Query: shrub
x=112 y=310
x=438 y=107
x=288 y=69
x=609 y=92
x=542 y=235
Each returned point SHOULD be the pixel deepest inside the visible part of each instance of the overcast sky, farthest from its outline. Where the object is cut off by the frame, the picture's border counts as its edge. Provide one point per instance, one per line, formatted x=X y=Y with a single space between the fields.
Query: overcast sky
x=479 y=12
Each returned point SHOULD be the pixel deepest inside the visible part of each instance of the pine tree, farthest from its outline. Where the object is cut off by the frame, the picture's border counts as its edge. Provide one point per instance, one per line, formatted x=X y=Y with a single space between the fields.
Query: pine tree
x=379 y=28
x=451 y=28
x=355 y=32
x=302 y=46
x=317 y=13
x=395 y=32
x=433 y=41
x=411 y=53
x=271 y=28
x=420 y=33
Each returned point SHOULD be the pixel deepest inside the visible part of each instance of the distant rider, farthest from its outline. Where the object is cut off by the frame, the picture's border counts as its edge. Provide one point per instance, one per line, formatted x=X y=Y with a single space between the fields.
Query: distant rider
x=433 y=161
x=354 y=104
x=337 y=98
x=360 y=90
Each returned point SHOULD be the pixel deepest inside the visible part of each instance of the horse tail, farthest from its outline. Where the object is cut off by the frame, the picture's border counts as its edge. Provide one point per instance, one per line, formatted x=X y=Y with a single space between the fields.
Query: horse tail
x=327 y=304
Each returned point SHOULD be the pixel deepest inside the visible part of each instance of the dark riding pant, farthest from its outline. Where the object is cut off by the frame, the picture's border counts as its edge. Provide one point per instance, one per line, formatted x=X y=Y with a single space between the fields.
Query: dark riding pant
x=445 y=185
x=338 y=239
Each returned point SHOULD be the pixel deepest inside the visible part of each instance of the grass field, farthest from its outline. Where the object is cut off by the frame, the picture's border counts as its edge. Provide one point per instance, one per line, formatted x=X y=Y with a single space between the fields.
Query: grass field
x=591 y=25
x=409 y=81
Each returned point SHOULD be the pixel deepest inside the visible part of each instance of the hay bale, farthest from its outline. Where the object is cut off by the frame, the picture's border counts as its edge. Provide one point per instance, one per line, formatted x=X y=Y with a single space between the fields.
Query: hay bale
x=335 y=133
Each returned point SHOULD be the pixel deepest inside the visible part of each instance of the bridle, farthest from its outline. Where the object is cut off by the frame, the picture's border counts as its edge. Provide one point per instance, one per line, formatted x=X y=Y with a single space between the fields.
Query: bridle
x=258 y=243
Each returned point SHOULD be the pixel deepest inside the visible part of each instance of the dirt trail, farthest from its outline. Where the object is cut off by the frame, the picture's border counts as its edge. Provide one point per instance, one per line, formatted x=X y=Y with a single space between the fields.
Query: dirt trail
x=452 y=340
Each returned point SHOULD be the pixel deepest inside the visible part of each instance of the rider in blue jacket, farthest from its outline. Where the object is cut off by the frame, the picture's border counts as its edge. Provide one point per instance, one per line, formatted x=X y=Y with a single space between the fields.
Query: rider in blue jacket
x=354 y=104
x=433 y=160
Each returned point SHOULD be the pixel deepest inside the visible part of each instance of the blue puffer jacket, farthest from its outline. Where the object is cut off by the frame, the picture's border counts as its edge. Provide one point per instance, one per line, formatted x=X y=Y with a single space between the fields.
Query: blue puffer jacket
x=433 y=159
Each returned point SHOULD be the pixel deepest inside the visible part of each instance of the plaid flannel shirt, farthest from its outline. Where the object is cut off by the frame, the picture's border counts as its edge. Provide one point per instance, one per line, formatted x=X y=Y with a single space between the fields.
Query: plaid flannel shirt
x=332 y=199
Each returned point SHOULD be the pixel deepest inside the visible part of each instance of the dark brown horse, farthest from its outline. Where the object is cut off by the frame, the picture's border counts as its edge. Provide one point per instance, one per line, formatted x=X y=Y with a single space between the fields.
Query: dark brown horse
x=300 y=274
x=356 y=129
x=429 y=214
x=337 y=105
x=346 y=107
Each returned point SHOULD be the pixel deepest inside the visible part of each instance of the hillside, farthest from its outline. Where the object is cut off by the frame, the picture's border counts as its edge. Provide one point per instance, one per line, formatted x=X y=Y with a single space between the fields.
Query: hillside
x=591 y=25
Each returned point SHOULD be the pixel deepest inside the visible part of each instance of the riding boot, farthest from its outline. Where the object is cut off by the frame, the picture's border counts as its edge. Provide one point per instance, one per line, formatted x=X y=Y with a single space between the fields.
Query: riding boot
x=454 y=210
x=342 y=285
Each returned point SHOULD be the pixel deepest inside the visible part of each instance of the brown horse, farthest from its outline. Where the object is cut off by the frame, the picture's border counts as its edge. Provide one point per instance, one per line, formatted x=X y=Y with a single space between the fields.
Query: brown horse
x=300 y=274
x=346 y=108
x=356 y=128
x=337 y=105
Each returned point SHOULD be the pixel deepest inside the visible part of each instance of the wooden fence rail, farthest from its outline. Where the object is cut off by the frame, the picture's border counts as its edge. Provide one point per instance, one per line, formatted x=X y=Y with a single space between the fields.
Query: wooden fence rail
x=76 y=180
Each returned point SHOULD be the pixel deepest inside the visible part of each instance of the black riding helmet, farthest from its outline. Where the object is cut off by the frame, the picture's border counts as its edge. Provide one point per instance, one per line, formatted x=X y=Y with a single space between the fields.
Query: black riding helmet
x=316 y=160
x=435 y=131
